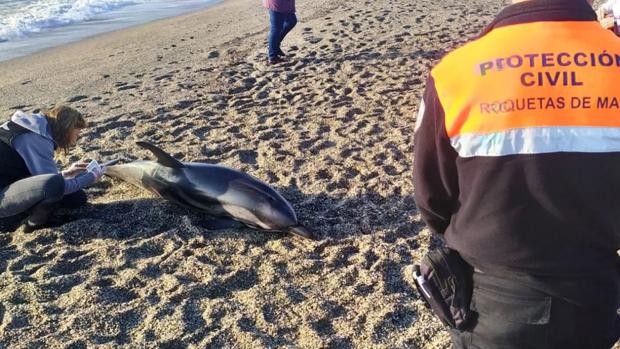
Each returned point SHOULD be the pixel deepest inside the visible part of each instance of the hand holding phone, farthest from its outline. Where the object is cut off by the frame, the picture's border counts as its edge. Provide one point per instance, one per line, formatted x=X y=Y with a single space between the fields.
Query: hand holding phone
x=96 y=169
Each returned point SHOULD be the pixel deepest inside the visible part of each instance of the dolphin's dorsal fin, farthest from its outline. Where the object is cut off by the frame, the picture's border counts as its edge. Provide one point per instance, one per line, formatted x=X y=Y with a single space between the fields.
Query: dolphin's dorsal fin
x=163 y=158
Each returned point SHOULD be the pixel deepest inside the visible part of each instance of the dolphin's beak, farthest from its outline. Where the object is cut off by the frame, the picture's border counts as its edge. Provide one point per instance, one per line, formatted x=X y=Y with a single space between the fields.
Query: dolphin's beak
x=300 y=230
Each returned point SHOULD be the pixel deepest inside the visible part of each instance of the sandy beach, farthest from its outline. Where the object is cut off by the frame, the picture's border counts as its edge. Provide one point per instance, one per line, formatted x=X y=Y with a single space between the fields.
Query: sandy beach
x=331 y=130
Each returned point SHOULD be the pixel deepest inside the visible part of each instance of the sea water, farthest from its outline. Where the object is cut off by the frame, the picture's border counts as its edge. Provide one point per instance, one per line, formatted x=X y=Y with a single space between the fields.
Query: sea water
x=28 y=26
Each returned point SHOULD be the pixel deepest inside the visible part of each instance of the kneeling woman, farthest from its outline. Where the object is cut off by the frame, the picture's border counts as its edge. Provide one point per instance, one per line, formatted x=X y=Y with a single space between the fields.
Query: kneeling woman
x=30 y=181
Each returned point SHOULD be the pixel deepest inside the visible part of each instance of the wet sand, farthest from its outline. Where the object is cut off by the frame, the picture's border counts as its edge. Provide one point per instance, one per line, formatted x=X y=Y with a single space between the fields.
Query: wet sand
x=331 y=130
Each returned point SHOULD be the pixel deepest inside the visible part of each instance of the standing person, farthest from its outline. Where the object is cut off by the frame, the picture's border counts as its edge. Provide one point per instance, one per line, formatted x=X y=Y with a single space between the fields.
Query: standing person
x=29 y=178
x=609 y=15
x=517 y=168
x=281 y=20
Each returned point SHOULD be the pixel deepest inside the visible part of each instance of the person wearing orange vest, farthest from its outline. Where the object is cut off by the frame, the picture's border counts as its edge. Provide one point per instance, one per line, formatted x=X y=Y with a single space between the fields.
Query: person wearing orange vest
x=517 y=167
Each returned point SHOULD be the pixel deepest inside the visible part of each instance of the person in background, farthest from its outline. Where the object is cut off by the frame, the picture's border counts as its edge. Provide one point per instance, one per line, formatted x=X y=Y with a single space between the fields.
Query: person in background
x=282 y=19
x=609 y=15
x=30 y=181
x=517 y=168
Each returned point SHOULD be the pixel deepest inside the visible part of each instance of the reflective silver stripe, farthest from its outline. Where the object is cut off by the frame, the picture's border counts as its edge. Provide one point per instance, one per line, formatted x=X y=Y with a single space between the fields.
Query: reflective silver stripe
x=538 y=140
x=418 y=119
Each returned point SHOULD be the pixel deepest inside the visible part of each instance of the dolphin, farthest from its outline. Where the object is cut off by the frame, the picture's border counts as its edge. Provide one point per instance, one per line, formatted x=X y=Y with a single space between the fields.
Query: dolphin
x=219 y=191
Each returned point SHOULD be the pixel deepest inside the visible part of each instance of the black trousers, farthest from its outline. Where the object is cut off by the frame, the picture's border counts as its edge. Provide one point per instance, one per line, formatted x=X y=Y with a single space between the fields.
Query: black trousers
x=520 y=312
x=38 y=196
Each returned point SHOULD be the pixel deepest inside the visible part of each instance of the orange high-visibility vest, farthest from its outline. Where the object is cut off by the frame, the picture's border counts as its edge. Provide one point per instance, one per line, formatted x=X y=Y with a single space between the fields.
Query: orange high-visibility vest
x=555 y=94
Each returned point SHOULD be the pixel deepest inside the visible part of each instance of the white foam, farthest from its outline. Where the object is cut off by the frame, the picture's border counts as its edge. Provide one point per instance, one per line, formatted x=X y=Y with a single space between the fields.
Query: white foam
x=40 y=15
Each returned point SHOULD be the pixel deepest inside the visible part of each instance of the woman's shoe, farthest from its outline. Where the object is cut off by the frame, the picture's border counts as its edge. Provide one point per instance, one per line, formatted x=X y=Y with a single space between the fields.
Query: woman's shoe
x=276 y=60
x=29 y=227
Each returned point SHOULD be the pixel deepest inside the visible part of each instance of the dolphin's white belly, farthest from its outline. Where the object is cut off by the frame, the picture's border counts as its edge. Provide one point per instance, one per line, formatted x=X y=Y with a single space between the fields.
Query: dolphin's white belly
x=245 y=215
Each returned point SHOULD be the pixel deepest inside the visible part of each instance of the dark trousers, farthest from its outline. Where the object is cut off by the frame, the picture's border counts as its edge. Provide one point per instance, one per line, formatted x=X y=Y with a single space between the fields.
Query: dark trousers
x=36 y=196
x=279 y=25
x=514 y=313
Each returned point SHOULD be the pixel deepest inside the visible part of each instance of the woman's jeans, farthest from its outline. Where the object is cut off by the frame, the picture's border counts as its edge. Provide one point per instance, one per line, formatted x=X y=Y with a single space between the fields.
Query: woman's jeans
x=38 y=196
x=280 y=25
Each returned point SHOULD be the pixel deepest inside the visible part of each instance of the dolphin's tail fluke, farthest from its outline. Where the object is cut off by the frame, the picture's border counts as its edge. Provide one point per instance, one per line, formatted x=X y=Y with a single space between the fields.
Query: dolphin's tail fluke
x=301 y=231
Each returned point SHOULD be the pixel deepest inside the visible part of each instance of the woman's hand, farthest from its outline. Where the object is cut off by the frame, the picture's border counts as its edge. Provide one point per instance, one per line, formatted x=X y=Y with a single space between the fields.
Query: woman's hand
x=75 y=169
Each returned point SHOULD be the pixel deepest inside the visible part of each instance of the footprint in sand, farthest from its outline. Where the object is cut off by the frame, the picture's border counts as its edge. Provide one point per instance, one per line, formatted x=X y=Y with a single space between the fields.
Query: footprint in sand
x=28 y=264
x=19 y=107
x=55 y=286
x=323 y=327
x=16 y=319
x=71 y=265
x=396 y=321
x=163 y=77
x=76 y=98
x=127 y=87
x=114 y=295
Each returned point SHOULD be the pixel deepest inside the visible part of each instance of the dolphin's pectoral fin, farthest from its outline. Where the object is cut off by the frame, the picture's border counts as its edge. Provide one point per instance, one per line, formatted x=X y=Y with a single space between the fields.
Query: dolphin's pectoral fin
x=163 y=158
x=221 y=223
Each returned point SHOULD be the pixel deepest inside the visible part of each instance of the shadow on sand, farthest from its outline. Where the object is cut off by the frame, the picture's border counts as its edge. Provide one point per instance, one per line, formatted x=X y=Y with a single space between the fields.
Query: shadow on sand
x=328 y=217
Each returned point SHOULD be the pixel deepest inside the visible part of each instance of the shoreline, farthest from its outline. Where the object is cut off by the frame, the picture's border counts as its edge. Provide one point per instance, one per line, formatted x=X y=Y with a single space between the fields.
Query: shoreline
x=74 y=61
x=91 y=28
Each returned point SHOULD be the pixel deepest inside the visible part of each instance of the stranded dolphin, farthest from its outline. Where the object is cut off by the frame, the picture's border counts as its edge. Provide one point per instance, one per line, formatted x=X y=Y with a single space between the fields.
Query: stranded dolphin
x=217 y=190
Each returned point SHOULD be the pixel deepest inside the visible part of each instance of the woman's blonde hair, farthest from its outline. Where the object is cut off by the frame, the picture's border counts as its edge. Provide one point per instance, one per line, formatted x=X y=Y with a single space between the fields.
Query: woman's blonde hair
x=63 y=120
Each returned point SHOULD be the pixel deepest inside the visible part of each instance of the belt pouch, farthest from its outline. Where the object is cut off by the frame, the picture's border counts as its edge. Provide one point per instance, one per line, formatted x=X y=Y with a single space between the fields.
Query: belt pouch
x=444 y=281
